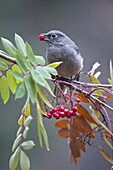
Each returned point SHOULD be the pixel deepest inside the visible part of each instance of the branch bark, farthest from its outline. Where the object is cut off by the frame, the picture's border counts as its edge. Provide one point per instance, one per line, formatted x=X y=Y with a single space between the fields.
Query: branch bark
x=5 y=57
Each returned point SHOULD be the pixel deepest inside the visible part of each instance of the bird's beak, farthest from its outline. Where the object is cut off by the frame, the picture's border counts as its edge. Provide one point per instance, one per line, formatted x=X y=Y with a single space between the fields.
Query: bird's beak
x=44 y=37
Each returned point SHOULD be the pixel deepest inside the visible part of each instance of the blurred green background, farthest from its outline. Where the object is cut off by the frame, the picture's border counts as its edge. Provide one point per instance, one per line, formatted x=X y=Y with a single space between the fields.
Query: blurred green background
x=90 y=24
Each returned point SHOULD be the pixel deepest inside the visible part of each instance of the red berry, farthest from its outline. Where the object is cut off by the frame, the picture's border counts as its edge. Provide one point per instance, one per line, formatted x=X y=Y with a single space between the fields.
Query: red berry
x=75 y=113
x=56 y=115
x=62 y=108
x=54 y=110
x=68 y=116
x=75 y=109
x=78 y=100
x=49 y=116
x=66 y=111
x=51 y=112
x=62 y=114
x=71 y=113
x=41 y=36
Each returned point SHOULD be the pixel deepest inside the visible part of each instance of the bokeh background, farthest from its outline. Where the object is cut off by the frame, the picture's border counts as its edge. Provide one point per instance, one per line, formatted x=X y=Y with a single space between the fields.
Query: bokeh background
x=90 y=24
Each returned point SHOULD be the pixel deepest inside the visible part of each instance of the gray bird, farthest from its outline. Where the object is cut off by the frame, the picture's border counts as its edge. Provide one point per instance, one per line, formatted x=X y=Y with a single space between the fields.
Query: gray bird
x=62 y=48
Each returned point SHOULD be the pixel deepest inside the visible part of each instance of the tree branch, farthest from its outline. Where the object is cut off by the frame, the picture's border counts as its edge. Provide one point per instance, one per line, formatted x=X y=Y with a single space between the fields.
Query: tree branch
x=5 y=57
x=92 y=85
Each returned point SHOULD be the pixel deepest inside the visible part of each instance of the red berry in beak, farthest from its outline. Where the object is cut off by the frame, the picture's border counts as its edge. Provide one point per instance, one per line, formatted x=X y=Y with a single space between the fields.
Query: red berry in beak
x=41 y=36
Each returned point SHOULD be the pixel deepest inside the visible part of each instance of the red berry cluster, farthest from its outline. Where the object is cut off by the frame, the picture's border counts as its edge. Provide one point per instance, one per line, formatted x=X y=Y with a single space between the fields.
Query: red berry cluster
x=61 y=112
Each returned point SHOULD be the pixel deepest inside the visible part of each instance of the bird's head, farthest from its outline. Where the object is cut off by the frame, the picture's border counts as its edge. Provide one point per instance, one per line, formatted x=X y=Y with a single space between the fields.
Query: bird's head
x=55 y=37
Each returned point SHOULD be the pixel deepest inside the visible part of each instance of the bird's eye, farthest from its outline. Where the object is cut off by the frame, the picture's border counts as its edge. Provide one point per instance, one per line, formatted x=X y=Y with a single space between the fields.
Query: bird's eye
x=54 y=35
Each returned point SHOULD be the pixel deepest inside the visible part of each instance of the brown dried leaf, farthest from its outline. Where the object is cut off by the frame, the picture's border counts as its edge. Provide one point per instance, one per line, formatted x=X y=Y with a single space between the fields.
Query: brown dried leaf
x=62 y=124
x=110 y=97
x=82 y=97
x=106 y=156
x=72 y=159
x=83 y=126
x=76 y=142
x=102 y=100
x=84 y=113
x=107 y=133
x=64 y=133
x=93 y=106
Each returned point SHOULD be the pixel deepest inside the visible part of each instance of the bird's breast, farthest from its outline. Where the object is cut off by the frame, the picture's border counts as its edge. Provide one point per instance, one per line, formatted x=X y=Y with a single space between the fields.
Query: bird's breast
x=72 y=62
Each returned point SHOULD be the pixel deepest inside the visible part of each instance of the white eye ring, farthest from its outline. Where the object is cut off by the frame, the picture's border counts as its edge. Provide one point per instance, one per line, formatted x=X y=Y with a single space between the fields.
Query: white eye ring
x=54 y=35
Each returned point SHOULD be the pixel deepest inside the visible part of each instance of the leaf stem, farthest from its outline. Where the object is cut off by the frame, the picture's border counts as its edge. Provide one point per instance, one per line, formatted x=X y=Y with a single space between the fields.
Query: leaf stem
x=6 y=70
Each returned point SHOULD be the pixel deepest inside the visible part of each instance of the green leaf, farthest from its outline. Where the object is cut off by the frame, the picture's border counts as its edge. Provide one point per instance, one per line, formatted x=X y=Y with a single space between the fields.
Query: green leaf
x=11 y=81
x=42 y=130
x=14 y=159
x=2 y=68
x=28 y=121
x=24 y=161
x=19 y=131
x=9 y=47
x=3 y=65
x=0 y=73
x=39 y=133
x=42 y=95
x=51 y=70
x=37 y=76
x=20 y=44
x=28 y=145
x=30 y=85
x=55 y=64
x=16 y=142
x=20 y=91
x=22 y=62
x=25 y=132
x=4 y=89
x=45 y=137
x=49 y=89
x=5 y=61
x=17 y=69
x=30 y=55
x=44 y=72
x=40 y=60
x=18 y=75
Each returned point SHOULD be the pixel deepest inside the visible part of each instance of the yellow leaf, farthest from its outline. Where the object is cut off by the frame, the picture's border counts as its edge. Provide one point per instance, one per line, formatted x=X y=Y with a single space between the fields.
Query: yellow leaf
x=21 y=120
x=41 y=106
x=107 y=142
x=102 y=125
x=42 y=95
x=16 y=68
x=106 y=156
x=28 y=110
